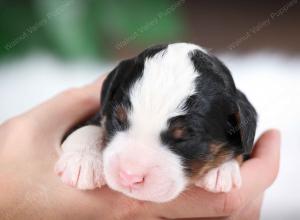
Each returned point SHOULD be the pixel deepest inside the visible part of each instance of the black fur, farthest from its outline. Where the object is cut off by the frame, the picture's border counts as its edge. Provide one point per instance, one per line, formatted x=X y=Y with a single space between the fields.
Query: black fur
x=217 y=113
x=216 y=87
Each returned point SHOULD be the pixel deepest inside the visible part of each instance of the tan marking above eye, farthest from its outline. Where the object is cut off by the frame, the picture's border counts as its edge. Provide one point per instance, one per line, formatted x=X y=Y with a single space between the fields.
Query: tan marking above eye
x=178 y=133
x=121 y=113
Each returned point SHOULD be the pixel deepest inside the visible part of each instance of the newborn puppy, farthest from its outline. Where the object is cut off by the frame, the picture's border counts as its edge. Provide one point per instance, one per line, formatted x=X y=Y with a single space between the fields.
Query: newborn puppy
x=169 y=117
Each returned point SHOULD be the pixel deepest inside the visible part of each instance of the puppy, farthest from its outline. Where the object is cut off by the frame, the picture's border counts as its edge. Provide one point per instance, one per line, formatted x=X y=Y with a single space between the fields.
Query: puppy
x=169 y=117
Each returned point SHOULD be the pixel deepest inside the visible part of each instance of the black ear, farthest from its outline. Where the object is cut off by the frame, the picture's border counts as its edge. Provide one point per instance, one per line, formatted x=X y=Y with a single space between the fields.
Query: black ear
x=109 y=87
x=246 y=118
x=113 y=82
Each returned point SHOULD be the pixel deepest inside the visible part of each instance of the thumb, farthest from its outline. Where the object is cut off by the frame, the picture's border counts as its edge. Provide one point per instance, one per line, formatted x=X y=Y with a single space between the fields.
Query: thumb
x=57 y=115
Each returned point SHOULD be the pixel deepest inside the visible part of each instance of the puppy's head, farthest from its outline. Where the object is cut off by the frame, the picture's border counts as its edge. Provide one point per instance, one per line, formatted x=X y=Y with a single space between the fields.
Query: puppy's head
x=170 y=114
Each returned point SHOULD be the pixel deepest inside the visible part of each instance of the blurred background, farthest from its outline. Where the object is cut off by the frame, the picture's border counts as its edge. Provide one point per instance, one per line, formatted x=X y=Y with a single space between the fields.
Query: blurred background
x=50 y=45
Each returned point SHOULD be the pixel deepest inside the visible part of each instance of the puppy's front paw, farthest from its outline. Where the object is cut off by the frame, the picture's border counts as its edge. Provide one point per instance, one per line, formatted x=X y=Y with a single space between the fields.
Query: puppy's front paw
x=82 y=170
x=222 y=179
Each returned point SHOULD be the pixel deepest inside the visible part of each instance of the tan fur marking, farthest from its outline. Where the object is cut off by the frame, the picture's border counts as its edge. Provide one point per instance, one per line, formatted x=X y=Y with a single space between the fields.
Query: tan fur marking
x=219 y=155
x=121 y=113
x=178 y=133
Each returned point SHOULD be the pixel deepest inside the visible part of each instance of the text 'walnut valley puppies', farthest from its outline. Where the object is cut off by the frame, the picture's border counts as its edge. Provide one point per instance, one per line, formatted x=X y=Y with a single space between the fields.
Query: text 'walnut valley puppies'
x=169 y=117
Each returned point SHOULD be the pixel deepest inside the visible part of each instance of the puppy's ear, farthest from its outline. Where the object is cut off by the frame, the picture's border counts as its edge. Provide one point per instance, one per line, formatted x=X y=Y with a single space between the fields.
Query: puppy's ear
x=243 y=123
x=113 y=82
x=246 y=119
x=109 y=87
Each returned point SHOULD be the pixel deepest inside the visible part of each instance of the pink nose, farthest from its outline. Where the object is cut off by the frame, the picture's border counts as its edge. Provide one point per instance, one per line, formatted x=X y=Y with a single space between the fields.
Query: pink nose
x=131 y=180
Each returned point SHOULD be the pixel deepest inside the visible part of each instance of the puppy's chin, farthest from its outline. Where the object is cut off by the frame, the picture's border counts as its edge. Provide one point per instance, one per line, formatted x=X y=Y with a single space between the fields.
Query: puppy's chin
x=164 y=177
x=157 y=188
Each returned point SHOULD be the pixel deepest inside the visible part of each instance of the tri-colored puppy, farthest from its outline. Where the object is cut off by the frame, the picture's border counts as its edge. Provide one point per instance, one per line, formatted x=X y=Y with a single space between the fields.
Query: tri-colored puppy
x=169 y=117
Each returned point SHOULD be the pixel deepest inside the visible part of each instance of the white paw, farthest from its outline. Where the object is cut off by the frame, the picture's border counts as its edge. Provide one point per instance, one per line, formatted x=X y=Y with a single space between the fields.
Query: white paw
x=82 y=170
x=222 y=179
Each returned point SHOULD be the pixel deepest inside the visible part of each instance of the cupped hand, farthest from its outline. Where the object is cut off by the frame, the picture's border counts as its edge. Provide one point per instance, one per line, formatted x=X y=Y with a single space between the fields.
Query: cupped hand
x=29 y=188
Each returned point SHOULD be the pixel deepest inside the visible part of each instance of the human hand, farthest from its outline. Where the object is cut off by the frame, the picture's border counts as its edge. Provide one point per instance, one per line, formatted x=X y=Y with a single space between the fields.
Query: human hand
x=30 y=189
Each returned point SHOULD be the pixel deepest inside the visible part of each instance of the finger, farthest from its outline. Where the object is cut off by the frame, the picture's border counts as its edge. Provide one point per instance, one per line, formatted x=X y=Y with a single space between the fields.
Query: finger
x=261 y=171
x=66 y=109
x=257 y=173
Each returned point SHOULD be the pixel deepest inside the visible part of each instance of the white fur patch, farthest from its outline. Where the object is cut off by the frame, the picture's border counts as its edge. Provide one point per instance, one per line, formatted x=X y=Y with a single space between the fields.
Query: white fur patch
x=167 y=81
x=223 y=178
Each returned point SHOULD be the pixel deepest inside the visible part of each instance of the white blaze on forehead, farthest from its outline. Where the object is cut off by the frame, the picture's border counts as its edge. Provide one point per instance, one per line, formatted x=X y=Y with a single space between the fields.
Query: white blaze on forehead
x=167 y=81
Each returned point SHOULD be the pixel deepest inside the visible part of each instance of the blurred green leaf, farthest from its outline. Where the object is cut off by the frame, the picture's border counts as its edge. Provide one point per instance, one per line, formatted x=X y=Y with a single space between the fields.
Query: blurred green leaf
x=90 y=29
